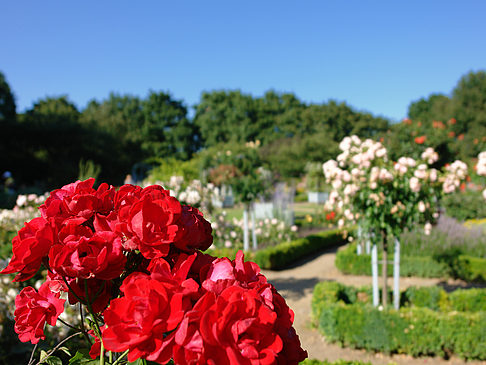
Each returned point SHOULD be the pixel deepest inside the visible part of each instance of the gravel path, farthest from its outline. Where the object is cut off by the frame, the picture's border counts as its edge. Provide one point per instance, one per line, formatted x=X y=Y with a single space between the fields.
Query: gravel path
x=296 y=285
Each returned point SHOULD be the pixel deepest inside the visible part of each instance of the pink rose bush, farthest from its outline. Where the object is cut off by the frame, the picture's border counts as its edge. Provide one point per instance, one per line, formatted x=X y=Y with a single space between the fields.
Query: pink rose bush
x=384 y=195
x=132 y=258
x=481 y=168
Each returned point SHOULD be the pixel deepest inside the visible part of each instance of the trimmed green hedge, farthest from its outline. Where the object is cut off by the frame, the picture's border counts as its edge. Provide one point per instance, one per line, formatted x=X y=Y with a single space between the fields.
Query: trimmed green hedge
x=286 y=253
x=461 y=267
x=344 y=315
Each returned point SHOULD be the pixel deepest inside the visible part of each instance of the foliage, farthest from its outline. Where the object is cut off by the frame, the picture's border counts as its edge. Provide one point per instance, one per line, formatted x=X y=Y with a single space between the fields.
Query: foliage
x=448 y=238
x=456 y=122
x=240 y=167
x=165 y=168
x=286 y=253
x=88 y=169
x=464 y=205
x=414 y=330
x=7 y=102
x=468 y=268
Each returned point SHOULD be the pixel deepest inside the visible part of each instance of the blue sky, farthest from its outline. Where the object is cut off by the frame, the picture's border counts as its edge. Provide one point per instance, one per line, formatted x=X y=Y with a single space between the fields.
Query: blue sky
x=376 y=55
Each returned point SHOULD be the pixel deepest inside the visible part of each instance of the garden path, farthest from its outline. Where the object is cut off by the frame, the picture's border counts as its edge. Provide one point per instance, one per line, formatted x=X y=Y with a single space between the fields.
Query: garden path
x=296 y=285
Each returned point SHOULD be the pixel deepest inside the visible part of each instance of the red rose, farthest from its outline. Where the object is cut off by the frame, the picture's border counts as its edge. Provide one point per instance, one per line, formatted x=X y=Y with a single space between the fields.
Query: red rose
x=235 y=327
x=197 y=230
x=223 y=272
x=292 y=351
x=140 y=320
x=29 y=247
x=99 y=256
x=152 y=222
x=78 y=202
x=99 y=292
x=32 y=311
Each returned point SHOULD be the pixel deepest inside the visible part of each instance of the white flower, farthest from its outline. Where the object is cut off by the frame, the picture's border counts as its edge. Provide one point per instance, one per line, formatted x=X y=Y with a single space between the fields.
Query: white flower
x=427 y=228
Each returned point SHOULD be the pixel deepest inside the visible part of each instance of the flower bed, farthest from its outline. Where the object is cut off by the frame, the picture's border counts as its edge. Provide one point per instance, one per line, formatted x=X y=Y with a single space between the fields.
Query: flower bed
x=431 y=322
x=468 y=268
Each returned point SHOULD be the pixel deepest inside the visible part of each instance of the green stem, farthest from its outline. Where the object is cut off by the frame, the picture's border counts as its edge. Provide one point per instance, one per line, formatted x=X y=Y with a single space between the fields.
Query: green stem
x=102 y=353
x=118 y=361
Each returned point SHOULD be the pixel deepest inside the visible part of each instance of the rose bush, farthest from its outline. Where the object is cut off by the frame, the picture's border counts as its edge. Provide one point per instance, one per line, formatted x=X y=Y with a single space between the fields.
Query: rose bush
x=132 y=259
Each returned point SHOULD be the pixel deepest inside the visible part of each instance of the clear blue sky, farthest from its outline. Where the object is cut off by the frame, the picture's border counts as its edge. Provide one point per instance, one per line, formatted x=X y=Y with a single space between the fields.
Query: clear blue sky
x=376 y=55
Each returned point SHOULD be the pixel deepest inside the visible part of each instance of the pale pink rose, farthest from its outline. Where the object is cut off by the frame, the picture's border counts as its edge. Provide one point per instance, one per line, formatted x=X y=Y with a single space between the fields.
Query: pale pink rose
x=415 y=184
x=381 y=152
x=427 y=228
x=421 y=206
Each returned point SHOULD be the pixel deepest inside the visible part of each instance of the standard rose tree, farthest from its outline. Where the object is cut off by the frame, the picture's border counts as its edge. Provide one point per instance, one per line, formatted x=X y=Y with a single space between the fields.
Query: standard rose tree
x=386 y=197
x=132 y=258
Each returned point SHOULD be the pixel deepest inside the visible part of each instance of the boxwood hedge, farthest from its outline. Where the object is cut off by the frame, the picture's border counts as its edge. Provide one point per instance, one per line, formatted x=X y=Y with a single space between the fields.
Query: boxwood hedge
x=431 y=322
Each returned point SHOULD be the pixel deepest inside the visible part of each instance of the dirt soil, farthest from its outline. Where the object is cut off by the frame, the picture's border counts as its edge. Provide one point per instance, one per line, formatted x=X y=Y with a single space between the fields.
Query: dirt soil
x=296 y=285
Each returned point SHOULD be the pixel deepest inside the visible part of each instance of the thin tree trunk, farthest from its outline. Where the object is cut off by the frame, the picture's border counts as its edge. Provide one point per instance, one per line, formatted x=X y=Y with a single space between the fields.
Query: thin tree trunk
x=384 y=270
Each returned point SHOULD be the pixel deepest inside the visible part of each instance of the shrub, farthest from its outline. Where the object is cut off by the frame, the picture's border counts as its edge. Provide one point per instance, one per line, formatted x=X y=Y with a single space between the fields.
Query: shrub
x=284 y=254
x=464 y=205
x=415 y=329
x=471 y=269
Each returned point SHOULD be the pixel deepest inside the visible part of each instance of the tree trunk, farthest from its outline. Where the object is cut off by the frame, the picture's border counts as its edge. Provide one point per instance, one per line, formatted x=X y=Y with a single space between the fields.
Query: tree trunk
x=384 y=271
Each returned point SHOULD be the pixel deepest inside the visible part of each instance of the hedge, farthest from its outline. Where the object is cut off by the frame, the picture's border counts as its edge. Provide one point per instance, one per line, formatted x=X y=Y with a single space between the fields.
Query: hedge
x=463 y=267
x=286 y=253
x=416 y=329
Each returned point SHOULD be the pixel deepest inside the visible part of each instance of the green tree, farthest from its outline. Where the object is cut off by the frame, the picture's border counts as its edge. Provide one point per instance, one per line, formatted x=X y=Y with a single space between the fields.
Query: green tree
x=166 y=129
x=469 y=102
x=52 y=141
x=435 y=107
x=7 y=126
x=7 y=102
x=226 y=116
